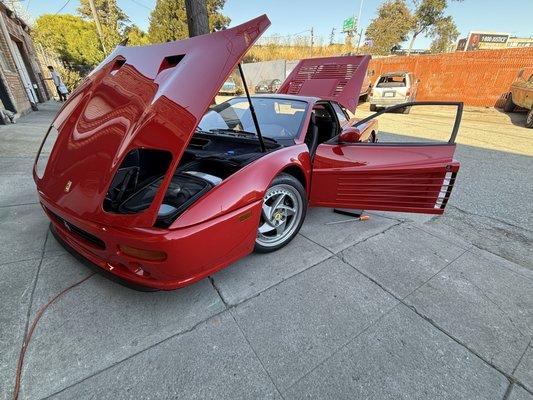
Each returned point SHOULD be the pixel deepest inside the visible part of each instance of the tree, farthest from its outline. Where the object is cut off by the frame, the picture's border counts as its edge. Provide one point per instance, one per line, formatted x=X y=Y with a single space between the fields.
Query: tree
x=112 y=18
x=391 y=27
x=427 y=15
x=71 y=37
x=444 y=33
x=168 y=20
x=136 y=36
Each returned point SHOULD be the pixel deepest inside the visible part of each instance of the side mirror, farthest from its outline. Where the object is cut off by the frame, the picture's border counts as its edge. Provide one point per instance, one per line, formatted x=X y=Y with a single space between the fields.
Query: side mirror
x=350 y=135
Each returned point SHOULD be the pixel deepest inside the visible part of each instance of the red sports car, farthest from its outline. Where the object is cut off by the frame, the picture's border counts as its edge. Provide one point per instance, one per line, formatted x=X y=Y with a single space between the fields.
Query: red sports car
x=140 y=177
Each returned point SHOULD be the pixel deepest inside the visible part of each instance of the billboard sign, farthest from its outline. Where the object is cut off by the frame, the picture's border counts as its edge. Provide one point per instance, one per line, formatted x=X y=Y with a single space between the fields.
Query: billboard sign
x=486 y=41
x=349 y=24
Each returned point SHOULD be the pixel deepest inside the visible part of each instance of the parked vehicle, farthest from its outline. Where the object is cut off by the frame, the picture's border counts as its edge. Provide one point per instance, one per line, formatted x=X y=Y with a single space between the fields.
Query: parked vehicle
x=521 y=95
x=268 y=86
x=229 y=87
x=393 y=88
x=366 y=87
x=142 y=179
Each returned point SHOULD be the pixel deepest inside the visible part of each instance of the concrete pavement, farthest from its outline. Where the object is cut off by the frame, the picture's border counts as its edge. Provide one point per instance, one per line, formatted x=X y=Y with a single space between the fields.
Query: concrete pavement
x=400 y=306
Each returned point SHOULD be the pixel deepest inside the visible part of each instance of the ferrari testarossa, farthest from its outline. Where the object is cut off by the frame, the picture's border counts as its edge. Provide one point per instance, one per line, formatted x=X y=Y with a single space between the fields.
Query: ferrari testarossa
x=142 y=176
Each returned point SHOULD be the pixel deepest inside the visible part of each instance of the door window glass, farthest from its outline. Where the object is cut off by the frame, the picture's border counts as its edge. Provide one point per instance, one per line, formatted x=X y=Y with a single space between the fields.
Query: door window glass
x=419 y=123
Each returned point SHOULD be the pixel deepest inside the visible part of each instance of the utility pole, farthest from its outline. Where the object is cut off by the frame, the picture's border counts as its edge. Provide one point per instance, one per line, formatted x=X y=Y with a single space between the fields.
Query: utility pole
x=197 y=19
x=312 y=40
x=359 y=24
x=98 y=26
x=332 y=36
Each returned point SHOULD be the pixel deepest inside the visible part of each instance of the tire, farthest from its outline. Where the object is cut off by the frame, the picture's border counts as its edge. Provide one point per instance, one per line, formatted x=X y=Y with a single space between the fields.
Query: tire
x=284 y=209
x=406 y=110
x=529 y=119
x=373 y=107
x=509 y=106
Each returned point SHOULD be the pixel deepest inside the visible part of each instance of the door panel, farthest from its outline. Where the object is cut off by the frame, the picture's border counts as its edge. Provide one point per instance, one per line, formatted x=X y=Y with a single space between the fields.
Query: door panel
x=407 y=178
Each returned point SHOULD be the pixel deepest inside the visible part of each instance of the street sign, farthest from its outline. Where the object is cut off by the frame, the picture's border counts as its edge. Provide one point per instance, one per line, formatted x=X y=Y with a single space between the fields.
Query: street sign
x=349 y=24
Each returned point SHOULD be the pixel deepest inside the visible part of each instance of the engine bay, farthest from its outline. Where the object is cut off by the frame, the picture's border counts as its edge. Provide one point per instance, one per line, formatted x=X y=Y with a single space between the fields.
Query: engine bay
x=206 y=162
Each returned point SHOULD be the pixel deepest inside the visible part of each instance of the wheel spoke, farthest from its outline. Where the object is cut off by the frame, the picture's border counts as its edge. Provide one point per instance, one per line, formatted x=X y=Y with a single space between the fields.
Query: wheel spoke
x=281 y=227
x=278 y=201
x=266 y=227
x=266 y=212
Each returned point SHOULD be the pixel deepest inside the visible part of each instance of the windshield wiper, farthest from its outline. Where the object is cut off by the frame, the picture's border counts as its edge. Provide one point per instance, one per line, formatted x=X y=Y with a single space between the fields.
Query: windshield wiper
x=240 y=133
x=237 y=132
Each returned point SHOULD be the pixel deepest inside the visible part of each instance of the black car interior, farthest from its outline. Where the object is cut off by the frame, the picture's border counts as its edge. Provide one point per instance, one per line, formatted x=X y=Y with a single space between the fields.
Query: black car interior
x=323 y=126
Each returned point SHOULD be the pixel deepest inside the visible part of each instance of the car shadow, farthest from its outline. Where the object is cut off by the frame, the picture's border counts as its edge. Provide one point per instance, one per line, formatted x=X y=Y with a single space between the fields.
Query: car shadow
x=517 y=117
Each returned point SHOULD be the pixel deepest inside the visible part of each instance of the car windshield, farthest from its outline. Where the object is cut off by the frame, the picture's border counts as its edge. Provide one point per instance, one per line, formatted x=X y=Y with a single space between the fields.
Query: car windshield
x=278 y=118
x=391 y=81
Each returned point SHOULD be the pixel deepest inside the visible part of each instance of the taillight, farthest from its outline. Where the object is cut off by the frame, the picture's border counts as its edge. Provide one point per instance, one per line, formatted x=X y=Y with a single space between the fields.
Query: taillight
x=149 y=255
x=408 y=93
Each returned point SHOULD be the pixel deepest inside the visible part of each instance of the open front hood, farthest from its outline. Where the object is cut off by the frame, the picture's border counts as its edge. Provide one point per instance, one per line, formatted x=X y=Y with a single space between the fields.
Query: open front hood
x=139 y=97
x=331 y=78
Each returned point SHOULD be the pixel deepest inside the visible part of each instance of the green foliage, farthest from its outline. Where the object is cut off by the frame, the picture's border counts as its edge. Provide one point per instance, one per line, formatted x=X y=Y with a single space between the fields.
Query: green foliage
x=168 y=20
x=71 y=37
x=109 y=13
x=427 y=17
x=136 y=36
x=444 y=34
x=390 y=27
x=112 y=19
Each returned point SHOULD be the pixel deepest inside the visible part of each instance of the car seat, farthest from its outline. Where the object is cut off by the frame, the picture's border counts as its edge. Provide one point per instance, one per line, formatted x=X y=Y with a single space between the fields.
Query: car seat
x=311 y=137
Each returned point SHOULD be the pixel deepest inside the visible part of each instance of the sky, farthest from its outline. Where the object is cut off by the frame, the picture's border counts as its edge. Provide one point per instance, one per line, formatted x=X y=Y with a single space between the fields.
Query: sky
x=293 y=16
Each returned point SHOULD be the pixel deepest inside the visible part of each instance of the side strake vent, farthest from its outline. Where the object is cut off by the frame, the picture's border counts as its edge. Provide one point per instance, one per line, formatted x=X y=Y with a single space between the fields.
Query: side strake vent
x=421 y=190
x=170 y=62
x=445 y=190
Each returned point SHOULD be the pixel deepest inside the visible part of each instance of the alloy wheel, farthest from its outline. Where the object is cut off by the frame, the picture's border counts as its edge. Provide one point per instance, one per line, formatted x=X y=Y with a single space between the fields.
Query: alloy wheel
x=280 y=216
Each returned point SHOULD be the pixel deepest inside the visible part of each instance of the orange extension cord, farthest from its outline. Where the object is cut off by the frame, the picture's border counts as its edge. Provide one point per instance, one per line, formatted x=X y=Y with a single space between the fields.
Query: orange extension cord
x=27 y=339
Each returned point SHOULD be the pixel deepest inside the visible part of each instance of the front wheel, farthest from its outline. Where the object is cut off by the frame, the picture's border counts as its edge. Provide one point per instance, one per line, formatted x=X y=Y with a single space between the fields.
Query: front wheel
x=283 y=213
x=529 y=119
x=509 y=105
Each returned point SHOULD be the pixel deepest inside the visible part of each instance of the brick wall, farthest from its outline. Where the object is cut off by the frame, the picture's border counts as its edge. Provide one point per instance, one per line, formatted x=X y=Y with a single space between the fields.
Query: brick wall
x=12 y=79
x=478 y=78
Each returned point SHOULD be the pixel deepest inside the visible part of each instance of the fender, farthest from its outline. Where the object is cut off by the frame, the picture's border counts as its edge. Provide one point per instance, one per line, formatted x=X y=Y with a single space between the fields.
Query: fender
x=246 y=186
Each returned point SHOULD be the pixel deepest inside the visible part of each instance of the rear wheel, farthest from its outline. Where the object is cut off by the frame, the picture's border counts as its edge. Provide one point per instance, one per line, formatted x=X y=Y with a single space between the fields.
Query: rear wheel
x=509 y=106
x=284 y=209
x=406 y=110
x=373 y=107
x=529 y=119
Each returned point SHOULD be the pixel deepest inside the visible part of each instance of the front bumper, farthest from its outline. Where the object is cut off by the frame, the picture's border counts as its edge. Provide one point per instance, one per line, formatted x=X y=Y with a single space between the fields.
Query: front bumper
x=193 y=252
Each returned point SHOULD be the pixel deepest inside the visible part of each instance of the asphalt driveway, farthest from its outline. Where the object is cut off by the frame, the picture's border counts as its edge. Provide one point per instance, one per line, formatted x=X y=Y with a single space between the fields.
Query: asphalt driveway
x=396 y=307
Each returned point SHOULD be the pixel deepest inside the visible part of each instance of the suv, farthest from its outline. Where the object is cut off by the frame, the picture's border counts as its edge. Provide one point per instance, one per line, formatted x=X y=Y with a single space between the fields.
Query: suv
x=521 y=94
x=393 y=88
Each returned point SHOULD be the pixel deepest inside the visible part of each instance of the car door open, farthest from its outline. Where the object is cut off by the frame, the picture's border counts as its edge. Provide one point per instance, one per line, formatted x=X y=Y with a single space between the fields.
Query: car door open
x=401 y=175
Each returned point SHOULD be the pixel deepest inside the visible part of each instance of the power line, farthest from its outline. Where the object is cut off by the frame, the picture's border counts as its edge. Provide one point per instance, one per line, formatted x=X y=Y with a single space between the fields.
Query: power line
x=61 y=9
x=141 y=4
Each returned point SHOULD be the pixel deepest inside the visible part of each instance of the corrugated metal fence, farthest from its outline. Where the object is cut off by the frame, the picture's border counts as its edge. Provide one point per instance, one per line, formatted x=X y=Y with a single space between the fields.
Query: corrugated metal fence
x=478 y=78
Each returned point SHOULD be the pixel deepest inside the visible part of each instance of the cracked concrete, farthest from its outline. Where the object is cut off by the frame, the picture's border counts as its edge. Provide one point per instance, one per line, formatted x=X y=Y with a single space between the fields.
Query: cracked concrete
x=399 y=306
